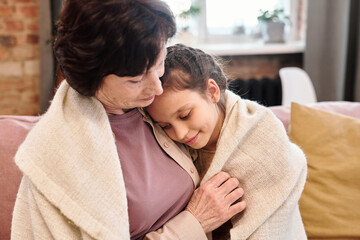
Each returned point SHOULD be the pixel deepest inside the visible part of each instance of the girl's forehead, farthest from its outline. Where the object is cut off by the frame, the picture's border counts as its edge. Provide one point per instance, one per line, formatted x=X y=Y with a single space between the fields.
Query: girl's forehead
x=180 y=101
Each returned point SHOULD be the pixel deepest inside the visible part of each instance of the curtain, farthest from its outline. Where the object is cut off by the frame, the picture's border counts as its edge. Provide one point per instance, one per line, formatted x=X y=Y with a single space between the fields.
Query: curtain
x=332 y=53
x=46 y=55
x=49 y=11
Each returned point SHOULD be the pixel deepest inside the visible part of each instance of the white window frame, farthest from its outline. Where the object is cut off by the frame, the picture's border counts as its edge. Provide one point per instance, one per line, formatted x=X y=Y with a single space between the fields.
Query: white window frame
x=199 y=27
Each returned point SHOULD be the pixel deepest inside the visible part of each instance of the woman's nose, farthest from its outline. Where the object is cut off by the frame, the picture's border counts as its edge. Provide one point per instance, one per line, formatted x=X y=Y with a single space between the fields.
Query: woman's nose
x=158 y=87
x=155 y=84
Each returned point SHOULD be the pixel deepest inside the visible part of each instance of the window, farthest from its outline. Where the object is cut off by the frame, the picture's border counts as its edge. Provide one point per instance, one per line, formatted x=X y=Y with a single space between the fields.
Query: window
x=230 y=20
x=228 y=16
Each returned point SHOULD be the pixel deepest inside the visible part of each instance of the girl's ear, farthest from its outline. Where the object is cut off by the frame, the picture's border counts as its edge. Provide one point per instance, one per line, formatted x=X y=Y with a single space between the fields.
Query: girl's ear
x=213 y=90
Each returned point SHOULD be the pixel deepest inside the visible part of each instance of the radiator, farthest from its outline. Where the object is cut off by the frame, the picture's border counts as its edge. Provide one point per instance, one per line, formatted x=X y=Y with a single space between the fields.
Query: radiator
x=265 y=91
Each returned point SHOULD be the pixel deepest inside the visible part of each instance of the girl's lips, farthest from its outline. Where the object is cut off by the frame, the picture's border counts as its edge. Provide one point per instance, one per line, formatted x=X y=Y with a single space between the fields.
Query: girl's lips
x=149 y=98
x=192 y=140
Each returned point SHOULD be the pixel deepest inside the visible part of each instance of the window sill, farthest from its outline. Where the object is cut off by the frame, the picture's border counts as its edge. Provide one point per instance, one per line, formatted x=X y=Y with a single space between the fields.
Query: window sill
x=232 y=48
x=256 y=48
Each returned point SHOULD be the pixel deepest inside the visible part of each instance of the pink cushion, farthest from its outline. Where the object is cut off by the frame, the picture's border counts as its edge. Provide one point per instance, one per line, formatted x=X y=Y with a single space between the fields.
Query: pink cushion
x=13 y=130
x=351 y=109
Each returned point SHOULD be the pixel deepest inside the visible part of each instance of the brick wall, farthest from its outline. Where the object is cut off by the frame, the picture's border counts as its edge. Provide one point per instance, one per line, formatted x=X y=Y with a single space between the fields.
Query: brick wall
x=19 y=57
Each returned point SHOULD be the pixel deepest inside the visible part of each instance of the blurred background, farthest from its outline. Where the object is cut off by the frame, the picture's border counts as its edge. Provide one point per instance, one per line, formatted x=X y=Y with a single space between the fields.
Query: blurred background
x=254 y=38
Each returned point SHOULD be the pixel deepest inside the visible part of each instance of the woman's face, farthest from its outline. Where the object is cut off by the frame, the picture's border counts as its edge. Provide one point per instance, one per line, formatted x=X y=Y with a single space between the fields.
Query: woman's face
x=188 y=117
x=118 y=94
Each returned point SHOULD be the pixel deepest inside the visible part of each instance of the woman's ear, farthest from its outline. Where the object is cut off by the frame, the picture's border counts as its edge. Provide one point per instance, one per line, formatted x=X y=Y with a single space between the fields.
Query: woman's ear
x=213 y=90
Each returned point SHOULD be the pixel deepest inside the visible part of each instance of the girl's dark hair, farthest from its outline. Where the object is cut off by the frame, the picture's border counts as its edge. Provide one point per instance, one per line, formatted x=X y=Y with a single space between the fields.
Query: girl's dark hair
x=190 y=68
x=101 y=37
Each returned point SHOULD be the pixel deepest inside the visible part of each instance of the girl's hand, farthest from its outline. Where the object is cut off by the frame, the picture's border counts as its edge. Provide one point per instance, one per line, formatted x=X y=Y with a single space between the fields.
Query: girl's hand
x=216 y=201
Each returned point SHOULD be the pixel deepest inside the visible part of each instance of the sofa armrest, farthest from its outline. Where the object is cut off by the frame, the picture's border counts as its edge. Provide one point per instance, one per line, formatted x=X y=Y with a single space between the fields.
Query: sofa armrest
x=13 y=130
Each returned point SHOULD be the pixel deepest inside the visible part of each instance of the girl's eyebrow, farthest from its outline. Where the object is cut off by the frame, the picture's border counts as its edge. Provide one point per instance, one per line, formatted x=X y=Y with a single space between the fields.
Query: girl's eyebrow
x=183 y=108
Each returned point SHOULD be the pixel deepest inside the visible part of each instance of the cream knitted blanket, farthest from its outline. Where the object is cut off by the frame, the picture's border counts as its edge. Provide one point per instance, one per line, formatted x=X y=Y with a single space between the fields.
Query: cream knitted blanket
x=253 y=147
x=71 y=168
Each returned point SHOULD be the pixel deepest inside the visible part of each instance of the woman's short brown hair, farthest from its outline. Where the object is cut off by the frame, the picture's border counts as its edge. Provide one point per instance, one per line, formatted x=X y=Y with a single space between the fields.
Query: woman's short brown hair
x=101 y=37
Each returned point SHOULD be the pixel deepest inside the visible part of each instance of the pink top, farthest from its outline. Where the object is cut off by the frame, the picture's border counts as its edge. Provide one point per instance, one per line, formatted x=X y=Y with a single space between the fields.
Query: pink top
x=157 y=187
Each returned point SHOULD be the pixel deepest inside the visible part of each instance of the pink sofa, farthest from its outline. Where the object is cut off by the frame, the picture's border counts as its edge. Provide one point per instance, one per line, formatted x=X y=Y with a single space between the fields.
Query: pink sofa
x=13 y=130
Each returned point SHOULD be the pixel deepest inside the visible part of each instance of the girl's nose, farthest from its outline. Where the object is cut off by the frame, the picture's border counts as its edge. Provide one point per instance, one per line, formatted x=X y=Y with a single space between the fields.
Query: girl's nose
x=180 y=132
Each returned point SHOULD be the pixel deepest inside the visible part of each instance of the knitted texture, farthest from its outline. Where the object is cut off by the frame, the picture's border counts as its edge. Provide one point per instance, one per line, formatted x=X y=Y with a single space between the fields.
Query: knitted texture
x=78 y=124
x=254 y=147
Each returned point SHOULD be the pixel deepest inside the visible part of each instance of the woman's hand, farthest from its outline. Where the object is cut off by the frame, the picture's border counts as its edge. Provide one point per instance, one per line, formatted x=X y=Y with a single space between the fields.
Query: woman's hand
x=216 y=201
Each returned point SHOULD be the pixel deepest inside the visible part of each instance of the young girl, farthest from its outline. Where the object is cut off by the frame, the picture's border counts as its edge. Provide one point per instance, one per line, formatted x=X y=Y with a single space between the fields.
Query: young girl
x=237 y=136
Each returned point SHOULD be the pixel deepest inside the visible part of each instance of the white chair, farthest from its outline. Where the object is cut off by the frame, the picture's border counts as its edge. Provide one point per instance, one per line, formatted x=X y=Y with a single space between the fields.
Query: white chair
x=296 y=86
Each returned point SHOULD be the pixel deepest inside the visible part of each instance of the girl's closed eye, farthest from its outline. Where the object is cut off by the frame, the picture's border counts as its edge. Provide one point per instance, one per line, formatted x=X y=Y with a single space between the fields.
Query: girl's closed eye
x=186 y=116
x=167 y=126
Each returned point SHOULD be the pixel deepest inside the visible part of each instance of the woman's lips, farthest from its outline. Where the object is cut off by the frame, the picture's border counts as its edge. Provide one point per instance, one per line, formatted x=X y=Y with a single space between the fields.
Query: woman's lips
x=149 y=98
x=192 y=140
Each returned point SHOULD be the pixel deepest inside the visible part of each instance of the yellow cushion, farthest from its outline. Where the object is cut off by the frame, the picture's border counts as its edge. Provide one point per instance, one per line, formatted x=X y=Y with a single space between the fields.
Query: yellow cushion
x=330 y=203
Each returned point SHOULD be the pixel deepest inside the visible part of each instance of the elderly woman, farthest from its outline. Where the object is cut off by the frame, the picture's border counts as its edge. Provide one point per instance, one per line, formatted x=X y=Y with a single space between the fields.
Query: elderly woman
x=95 y=167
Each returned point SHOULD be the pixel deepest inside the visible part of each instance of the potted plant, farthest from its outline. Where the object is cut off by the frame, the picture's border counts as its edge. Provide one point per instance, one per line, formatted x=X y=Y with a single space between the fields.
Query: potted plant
x=273 y=25
x=193 y=11
x=185 y=36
